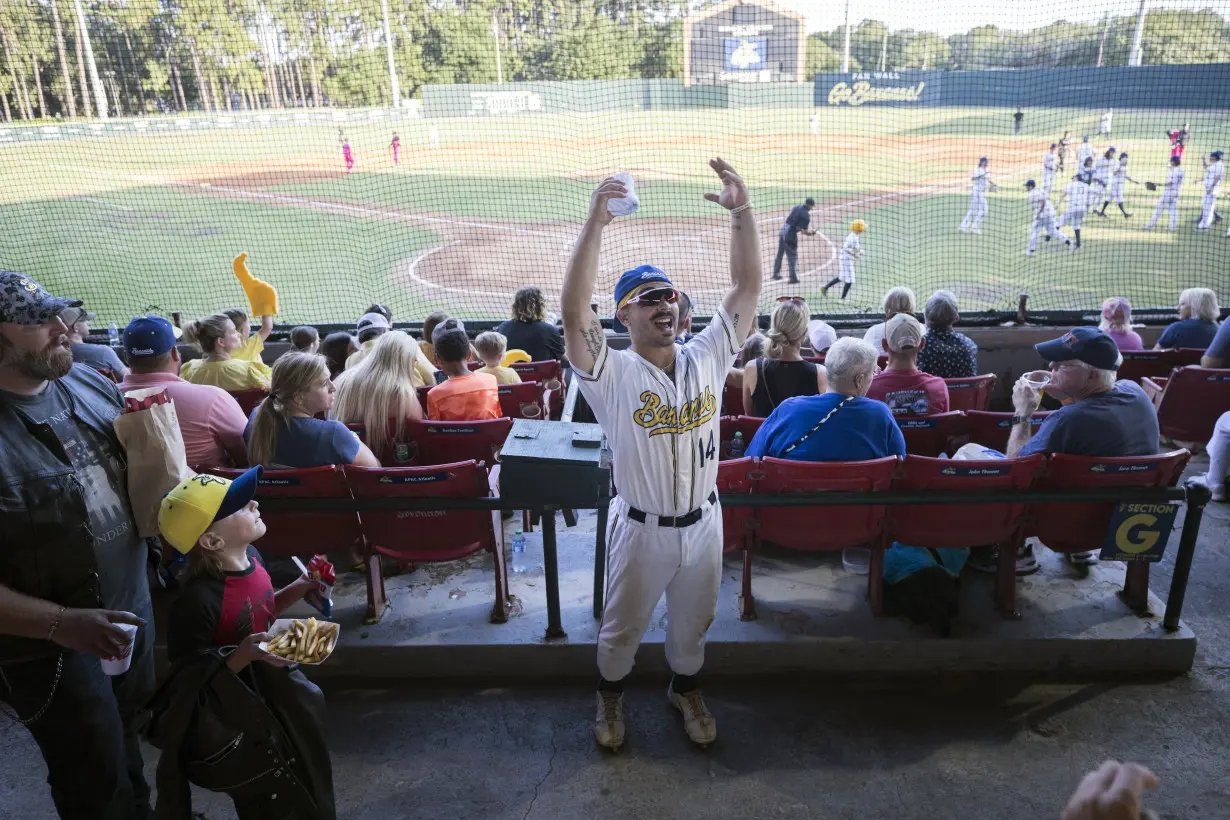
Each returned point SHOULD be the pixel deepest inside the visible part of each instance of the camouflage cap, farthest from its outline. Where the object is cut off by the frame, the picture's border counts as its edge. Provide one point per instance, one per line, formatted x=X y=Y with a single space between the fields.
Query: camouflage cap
x=25 y=302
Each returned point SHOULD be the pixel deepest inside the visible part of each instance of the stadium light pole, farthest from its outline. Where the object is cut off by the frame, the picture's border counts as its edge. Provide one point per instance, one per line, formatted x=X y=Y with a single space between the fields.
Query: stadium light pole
x=845 y=52
x=100 y=96
x=1136 y=56
x=495 y=33
x=395 y=90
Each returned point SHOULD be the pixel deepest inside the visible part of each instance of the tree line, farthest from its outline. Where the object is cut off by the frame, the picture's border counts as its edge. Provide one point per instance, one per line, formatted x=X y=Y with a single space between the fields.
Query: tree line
x=99 y=58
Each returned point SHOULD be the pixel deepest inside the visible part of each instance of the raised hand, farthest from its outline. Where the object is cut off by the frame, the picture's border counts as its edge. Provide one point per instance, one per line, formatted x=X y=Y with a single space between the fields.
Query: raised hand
x=1113 y=792
x=610 y=188
x=95 y=631
x=734 y=192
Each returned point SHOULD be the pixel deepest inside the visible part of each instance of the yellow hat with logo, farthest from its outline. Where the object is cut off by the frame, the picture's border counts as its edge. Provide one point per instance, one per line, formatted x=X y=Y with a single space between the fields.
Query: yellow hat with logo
x=196 y=503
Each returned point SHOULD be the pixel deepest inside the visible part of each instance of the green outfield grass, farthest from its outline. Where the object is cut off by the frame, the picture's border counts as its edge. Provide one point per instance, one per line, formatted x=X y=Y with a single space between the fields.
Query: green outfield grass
x=125 y=223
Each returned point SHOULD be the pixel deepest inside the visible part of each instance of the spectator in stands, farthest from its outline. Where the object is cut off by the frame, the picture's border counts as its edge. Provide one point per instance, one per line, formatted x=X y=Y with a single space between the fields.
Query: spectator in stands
x=430 y=324
x=683 y=331
x=1218 y=353
x=305 y=339
x=820 y=335
x=1103 y=417
x=465 y=396
x=528 y=329
x=99 y=357
x=283 y=433
x=1218 y=356
x=1197 y=325
x=1117 y=323
x=945 y=352
x=422 y=374
x=383 y=311
x=840 y=424
x=369 y=329
x=336 y=348
x=381 y=390
x=210 y=420
x=782 y=373
x=218 y=340
x=251 y=345
x=753 y=349
x=897 y=300
x=902 y=386
x=491 y=347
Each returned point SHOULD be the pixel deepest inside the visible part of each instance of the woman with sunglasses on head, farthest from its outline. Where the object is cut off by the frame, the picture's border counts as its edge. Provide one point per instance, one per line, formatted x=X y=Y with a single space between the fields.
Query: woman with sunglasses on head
x=659 y=403
x=782 y=373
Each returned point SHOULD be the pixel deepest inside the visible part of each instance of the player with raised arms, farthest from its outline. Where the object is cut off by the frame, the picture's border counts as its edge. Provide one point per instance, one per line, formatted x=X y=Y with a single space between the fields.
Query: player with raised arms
x=659 y=404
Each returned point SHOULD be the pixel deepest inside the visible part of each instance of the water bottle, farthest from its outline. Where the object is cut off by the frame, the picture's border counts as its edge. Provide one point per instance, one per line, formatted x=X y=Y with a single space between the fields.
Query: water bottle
x=113 y=335
x=518 y=552
x=737 y=447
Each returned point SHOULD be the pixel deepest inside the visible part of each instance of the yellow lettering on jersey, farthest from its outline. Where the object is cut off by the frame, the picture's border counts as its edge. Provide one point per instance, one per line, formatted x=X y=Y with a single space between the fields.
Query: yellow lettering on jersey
x=659 y=417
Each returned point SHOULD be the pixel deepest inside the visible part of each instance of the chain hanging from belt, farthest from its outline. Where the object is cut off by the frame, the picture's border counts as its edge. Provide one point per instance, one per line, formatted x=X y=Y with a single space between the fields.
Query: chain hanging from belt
x=55 y=684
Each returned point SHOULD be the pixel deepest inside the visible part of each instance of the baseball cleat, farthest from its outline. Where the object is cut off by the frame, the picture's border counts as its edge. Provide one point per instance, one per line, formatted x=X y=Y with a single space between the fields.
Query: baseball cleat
x=1029 y=253
x=609 y=721
x=697 y=720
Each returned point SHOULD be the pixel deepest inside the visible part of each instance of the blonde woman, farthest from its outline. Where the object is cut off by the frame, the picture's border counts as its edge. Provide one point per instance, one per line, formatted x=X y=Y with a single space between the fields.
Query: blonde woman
x=1117 y=323
x=898 y=300
x=218 y=340
x=1197 y=325
x=284 y=434
x=381 y=389
x=782 y=373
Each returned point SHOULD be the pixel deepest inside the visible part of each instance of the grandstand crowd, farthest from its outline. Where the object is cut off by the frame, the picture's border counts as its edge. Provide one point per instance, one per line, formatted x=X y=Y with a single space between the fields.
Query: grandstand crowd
x=354 y=399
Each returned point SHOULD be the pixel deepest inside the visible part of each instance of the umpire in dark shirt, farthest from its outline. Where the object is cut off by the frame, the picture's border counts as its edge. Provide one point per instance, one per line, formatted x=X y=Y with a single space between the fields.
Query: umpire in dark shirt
x=788 y=239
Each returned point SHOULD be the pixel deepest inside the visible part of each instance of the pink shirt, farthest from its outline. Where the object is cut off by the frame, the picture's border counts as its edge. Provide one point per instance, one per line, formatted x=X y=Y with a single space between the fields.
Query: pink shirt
x=209 y=419
x=1126 y=339
x=910 y=392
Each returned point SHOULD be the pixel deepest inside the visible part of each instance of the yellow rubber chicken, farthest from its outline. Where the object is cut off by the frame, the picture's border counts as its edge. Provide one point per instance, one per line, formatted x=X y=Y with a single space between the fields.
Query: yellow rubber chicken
x=262 y=298
x=515 y=355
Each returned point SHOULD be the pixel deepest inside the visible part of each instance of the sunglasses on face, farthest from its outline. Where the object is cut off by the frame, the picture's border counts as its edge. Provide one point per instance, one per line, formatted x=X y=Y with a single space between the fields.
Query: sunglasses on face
x=655 y=297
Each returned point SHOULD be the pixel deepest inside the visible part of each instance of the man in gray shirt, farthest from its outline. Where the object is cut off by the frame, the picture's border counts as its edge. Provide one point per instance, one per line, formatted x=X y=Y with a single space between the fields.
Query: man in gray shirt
x=100 y=357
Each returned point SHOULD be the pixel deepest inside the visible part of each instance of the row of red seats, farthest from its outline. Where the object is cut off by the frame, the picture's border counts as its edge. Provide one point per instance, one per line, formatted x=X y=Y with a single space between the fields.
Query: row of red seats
x=1139 y=364
x=1190 y=401
x=973 y=393
x=1064 y=527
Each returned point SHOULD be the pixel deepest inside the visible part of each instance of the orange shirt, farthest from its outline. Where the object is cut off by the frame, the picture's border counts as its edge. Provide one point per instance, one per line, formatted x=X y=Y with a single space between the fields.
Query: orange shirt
x=472 y=397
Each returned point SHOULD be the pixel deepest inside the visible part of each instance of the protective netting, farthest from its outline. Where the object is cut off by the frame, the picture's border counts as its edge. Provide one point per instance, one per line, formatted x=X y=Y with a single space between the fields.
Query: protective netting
x=440 y=155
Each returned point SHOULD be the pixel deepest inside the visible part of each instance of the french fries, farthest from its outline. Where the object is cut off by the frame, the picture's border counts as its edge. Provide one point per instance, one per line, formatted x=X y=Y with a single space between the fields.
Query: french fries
x=309 y=641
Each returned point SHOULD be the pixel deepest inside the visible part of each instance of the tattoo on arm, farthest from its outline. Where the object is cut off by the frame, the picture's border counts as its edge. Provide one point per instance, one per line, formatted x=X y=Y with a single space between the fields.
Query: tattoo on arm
x=593 y=338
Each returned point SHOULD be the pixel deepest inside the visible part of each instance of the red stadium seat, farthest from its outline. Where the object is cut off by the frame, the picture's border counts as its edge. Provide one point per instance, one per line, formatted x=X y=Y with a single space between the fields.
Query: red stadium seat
x=736 y=477
x=1186 y=356
x=973 y=393
x=475 y=365
x=429 y=535
x=1079 y=527
x=821 y=529
x=304 y=533
x=545 y=373
x=930 y=435
x=747 y=425
x=1137 y=364
x=521 y=400
x=732 y=401
x=994 y=429
x=249 y=399
x=445 y=442
x=422 y=391
x=1190 y=402
x=967 y=525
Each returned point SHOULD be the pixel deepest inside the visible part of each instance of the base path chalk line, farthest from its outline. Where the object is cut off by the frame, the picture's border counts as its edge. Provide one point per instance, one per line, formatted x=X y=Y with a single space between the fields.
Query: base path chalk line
x=412 y=272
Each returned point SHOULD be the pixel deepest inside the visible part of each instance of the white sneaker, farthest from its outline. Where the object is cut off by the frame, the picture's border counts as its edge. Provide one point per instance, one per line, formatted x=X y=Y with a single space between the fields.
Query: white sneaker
x=697 y=720
x=1218 y=489
x=609 y=720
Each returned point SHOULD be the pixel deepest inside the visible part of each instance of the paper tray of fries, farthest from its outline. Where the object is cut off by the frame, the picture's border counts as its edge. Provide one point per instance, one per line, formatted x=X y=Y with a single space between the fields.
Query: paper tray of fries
x=309 y=642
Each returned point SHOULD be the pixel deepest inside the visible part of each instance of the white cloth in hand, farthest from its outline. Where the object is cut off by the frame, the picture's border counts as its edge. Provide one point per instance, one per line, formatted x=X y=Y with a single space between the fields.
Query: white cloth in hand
x=630 y=202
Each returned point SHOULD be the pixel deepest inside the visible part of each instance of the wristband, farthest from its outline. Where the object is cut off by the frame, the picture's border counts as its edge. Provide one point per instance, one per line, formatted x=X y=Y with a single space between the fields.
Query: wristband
x=55 y=622
x=1018 y=418
x=741 y=208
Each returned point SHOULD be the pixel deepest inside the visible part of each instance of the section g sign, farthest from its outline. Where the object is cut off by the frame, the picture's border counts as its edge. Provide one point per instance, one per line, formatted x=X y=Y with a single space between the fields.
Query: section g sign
x=1139 y=532
x=864 y=92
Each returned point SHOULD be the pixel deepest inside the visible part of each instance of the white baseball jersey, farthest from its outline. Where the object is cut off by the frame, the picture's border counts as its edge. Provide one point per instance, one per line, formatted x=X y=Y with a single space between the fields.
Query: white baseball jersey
x=981 y=178
x=1083 y=152
x=851 y=247
x=1041 y=204
x=1174 y=181
x=664 y=433
x=1078 y=196
x=1212 y=178
x=1102 y=169
x=1048 y=161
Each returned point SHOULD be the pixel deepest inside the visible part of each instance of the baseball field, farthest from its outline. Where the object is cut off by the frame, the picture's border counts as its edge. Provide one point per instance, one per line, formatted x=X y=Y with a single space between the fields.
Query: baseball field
x=149 y=219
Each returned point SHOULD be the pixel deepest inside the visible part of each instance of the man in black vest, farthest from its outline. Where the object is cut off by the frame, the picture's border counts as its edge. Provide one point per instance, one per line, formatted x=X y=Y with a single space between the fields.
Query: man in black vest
x=788 y=239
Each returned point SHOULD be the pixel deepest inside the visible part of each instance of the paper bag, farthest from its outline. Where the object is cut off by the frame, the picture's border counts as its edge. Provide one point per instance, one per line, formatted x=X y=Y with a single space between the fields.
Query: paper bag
x=148 y=430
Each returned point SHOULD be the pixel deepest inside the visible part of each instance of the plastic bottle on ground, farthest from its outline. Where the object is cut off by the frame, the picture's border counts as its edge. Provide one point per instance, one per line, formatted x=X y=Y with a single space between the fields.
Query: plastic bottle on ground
x=737 y=446
x=856 y=560
x=518 y=552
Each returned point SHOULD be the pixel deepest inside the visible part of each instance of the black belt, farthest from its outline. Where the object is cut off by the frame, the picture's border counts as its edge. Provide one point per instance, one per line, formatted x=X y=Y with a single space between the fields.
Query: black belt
x=685 y=520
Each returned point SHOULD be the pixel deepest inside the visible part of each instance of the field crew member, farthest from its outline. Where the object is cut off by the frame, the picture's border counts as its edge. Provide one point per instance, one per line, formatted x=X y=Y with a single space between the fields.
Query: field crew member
x=1044 y=218
x=1170 y=196
x=851 y=251
x=1118 y=176
x=1048 y=170
x=1212 y=183
x=1077 y=194
x=797 y=221
x=659 y=404
x=980 y=181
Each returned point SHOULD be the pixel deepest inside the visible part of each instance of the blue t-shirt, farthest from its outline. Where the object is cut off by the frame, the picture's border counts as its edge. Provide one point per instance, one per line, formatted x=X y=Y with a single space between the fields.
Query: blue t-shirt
x=1119 y=422
x=1188 y=333
x=1220 y=347
x=308 y=442
x=860 y=431
x=902 y=561
x=799 y=219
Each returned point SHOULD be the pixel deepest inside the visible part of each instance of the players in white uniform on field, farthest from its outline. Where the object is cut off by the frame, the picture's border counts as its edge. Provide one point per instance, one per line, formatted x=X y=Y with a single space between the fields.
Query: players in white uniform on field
x=851 y=252
x=1104 y=125
x=1103 y=169
x=1119 y=176
x=980 y=181
x=1049 y=164
x=659 y=404
x=1084 y=151
x=1044 y=218
x=1170 y=196
x=1077 y=194
x=1212 y=185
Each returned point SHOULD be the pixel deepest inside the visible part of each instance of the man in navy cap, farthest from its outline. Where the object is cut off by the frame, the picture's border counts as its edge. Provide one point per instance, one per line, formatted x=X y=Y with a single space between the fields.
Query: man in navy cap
x=659 y=404
x=797 y=221
x=72 y=563
x=1104 y=417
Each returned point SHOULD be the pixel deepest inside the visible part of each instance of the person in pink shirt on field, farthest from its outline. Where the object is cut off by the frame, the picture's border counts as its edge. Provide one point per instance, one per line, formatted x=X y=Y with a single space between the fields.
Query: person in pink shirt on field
x=902 y=386
x=1117 y=323
x=396 y=146
x=347 y=154
x=209 y=418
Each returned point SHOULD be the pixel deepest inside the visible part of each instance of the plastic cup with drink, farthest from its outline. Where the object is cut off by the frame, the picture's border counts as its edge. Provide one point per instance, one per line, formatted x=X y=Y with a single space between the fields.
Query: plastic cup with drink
x=1037 y=379
x=119 y=665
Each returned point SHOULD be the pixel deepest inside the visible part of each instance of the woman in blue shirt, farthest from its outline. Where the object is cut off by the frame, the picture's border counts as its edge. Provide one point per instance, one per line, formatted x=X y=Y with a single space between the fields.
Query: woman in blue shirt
x=1197 y=325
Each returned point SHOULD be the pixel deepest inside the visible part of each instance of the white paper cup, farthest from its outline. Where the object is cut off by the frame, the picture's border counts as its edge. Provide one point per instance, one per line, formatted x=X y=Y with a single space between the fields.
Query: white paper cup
x=118 y=666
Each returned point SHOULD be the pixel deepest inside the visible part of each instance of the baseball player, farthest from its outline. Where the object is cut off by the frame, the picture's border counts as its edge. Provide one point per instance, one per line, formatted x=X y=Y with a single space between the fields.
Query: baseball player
x=1084 y=151
x=1085 y=171
x=1048 y=170
x=348 y=156
x=659 y=404
x=797 y=221
x=1178 y=141
x=1063 y=149
x=1119 y=176
x=981 y=182
x=1103 y=169
x=1077 y=194
x=1044 y=218
x=395 y=146
x=1212 y=184
x=851 y=251
x=1104 y=125
x=1170 y=195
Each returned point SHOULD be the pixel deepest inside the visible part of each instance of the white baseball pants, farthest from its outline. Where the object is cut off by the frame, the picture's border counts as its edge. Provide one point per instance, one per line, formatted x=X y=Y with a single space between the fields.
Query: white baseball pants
x=1164 y=202
x=845 y=269
x=1206 y=215
x=1048 y=181
x=643 y=562
x=1042 y=224
x=1116 y=192
x=977 y=210
x=1071 y=216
